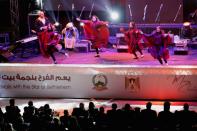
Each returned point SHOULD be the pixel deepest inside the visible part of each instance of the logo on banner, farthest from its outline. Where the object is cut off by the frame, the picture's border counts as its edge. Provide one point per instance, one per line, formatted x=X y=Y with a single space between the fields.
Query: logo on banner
x=100 y=82
x=132 y=83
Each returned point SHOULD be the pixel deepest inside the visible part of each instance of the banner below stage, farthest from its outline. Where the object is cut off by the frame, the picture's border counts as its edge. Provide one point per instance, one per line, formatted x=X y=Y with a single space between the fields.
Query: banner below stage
x=98 y=81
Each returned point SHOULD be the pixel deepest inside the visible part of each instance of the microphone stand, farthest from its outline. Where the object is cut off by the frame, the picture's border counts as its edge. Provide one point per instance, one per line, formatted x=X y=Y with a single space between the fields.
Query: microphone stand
x=158 y=14
x=73 y=7
x=28 y=21
x=81 y=11
x=178 y=11
x=58 y=12
x=131 y=15
x=90 y=15
x=145 y=8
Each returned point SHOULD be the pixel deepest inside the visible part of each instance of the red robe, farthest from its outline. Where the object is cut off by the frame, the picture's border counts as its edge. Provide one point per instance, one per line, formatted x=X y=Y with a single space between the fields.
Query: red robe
x=153 y=44
x=43 y=40
x=96 y=32
x=42 y=35
x=133 y=37
x=47 y=38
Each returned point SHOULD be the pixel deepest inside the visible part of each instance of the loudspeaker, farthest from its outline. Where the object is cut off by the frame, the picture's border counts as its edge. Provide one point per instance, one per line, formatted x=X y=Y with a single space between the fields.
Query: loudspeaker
x=83 y=46
x=181 y=50
x=4 y=40
x=122 y=48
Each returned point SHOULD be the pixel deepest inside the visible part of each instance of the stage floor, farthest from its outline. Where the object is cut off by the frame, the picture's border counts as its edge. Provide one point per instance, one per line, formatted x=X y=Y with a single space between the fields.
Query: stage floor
x=108 y=57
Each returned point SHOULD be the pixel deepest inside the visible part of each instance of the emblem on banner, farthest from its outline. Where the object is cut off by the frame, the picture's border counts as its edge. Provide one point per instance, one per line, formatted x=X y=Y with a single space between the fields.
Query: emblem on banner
x=100 y=82
x=132 y=83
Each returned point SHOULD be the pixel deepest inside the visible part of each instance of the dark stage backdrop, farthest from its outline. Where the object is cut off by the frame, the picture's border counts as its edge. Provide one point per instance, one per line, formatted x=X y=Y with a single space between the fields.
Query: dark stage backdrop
x=167 y=14
x=189 y=8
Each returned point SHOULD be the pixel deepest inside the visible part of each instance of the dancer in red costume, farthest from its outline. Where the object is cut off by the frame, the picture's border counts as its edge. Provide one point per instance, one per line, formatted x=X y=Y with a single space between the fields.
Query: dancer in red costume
x=158 y=45
x=48 y=38
x=41 y=28
x=97 y=32
x=133 y=37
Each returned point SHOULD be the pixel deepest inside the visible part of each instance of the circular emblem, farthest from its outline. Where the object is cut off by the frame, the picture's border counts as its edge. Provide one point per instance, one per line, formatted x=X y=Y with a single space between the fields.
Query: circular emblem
x=100 y=82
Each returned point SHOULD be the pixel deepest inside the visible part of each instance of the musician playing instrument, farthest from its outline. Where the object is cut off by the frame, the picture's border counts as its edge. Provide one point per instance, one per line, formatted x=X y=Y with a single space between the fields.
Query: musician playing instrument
x=97 y=32
x=71 y=35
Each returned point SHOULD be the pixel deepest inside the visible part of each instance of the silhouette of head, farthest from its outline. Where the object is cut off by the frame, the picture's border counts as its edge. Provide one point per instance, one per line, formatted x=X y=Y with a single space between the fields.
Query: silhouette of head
x=137 y=109
x=81 y=105
x=114 y=106
x=148 y=105
x=46 y=106
x=166 y=106
x=127 y=107
x=101 y=109
x=186 y=107
x=12 y=102
x=65 y=112
x=91 y=105
x=30 y=103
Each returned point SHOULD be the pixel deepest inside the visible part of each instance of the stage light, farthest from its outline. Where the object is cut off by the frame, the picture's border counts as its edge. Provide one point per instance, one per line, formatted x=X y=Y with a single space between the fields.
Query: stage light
x=114 y=15
x=57 y=24
x=81 y=24
x=186 y=24
x=187 y=31
x=39 y=4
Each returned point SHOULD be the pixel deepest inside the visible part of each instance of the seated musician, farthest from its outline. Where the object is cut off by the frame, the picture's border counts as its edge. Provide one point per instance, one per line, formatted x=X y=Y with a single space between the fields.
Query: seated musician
x=70 y=33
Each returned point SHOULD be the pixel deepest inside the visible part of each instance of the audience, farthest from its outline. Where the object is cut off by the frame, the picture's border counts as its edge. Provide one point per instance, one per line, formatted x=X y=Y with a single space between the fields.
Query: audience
x=93 y=119
x=148 y=118
x=166 y=119
x=29 y=112
x=185 y=118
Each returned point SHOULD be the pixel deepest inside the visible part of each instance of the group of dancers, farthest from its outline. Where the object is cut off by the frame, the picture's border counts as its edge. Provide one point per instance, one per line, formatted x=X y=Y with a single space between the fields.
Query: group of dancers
x=97 y=32
x=157 y=43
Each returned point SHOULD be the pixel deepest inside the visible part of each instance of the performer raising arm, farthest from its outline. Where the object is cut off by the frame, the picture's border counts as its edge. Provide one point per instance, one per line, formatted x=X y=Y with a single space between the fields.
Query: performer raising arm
x=97 y=32
x=48 y=39
x=158 y=45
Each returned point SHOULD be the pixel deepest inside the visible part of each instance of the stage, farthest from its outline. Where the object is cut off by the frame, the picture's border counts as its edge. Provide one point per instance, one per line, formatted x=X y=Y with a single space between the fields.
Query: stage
x=33 y=29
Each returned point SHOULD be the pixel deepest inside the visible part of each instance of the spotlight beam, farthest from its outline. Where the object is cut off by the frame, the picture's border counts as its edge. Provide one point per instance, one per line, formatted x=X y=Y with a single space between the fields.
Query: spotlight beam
x=145 y=9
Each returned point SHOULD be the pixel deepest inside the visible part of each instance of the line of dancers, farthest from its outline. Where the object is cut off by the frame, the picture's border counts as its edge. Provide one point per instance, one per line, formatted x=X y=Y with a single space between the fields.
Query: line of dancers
x=97 y=32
